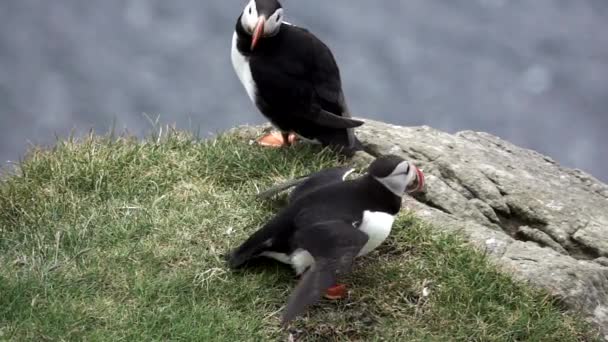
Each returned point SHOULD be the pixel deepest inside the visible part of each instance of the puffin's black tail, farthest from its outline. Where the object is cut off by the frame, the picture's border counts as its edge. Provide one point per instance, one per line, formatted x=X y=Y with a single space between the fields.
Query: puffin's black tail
x=358 y=146
x=258 y=242
x=355 y=145
x=251 y=248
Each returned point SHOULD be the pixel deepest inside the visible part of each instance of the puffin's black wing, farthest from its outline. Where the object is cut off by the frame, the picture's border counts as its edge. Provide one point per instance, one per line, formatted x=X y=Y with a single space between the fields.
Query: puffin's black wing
x=326 y=80
x=294 y=69
x=307 y=183
x=318 y=180
x=333 y=244
x=278 y=188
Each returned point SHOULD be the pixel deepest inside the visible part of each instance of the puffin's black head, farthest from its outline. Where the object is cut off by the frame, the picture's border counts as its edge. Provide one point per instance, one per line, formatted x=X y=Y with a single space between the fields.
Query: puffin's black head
x=262 y=18
x=396 y=174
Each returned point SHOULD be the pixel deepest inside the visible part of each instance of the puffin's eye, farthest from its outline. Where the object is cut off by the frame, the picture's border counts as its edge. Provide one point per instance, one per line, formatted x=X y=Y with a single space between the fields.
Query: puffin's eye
x=249 y=10
x=278 y=18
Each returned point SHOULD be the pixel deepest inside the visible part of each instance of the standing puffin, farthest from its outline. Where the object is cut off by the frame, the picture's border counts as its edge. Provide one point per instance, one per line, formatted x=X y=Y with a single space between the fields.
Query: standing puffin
x=292 y=78
x=327 y=223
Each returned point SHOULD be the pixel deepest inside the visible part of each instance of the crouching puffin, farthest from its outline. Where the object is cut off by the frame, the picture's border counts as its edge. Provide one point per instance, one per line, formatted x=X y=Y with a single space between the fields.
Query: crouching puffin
x=329 y=221
x=292 y=78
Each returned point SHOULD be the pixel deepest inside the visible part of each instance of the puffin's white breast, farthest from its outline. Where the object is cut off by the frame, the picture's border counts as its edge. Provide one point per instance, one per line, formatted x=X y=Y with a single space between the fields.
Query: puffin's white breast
x=377 y=225
x=241 y=66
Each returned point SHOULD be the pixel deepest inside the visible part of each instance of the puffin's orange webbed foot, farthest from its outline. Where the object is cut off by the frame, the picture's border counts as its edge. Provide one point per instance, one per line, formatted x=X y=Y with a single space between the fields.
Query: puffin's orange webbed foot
x=337 y=291
x=276 y=139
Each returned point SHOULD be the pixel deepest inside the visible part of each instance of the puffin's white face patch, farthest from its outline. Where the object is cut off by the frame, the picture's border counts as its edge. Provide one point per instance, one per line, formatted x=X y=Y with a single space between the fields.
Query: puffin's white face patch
x=377 y=225
x=250 y=18
x=399 y=179
x=273 y=23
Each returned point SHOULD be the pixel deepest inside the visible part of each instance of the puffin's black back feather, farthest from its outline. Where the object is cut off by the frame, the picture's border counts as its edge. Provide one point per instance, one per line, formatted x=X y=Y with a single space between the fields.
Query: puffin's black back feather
x=319 y=180
x=306 y=184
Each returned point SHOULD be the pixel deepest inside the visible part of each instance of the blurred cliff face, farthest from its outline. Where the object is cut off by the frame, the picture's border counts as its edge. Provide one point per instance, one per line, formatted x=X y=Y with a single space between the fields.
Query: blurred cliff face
x=532 y=72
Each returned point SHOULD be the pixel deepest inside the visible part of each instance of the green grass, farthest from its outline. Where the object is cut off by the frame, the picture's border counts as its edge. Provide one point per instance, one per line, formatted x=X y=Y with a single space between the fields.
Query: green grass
x=121 y=240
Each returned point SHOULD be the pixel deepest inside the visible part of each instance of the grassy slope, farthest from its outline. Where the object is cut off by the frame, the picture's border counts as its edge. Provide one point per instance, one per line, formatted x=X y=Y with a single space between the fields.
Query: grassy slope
x=121 y=240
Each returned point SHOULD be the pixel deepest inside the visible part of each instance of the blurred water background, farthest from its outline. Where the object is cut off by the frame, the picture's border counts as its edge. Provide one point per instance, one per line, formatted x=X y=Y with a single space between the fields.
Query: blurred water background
x=533 y=72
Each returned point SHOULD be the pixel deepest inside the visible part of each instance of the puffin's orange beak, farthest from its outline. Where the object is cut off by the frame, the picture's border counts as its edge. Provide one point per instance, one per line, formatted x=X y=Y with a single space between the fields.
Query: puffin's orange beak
x=420 y=177
x=258 y=31
x=418 y=183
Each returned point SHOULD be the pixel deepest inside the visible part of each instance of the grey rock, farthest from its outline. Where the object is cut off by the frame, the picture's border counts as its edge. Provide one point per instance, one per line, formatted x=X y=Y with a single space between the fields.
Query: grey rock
x=479 y=177
x=545 y=224
x=582 y=285
x=593 y=236
x=602 y=261
x=361 y=160
x=542 y=222
x=542 y=238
